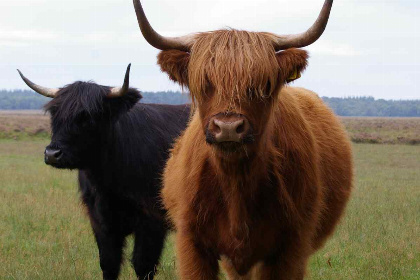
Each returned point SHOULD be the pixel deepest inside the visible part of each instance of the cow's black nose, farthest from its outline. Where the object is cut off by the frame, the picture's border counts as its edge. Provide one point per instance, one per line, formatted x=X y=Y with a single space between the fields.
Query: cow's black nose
x=52 y=156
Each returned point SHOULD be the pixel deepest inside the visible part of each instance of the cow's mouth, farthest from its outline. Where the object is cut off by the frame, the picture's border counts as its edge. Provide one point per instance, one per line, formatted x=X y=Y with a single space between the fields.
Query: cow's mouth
x=229 y=147
x=62 y=165
x=61 y=161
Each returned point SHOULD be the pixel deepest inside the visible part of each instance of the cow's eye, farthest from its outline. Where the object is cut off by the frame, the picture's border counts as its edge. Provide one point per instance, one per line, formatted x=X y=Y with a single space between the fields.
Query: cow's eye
x=250 y=92
x=209 y=90
x=83 y=121
x=268 y=89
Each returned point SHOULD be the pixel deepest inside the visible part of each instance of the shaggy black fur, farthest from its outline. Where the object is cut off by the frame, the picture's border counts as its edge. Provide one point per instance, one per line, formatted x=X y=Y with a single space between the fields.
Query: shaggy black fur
x=120 y=148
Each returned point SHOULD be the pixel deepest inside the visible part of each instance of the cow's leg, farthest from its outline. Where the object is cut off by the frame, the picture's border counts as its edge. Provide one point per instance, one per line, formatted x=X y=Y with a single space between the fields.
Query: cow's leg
x=194 y=262
x=105 y=225
x=281 y=272
x=110 y=247
x=232 y=274
x=108 y=236
x=290 y=267
x=148 y=245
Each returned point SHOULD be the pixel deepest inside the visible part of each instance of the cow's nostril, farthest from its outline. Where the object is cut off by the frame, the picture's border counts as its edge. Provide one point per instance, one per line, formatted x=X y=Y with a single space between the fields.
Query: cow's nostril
x=216 y=127
x=58 y=153
x=241 y=128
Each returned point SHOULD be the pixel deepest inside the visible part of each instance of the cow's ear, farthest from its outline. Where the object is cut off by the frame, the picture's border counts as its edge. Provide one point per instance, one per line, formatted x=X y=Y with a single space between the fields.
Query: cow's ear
x=175 y=64
x=117 y=106
x=292 y=63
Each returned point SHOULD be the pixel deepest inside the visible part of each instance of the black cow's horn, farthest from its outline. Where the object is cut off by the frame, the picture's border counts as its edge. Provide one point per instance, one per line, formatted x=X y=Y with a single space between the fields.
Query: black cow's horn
x=121 y=91
x=48 y=92
x=183 y=43
x=308 y=37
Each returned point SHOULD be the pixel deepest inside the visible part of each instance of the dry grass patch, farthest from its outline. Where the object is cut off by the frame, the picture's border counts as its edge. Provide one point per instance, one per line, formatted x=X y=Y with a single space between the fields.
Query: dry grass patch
x=383 y=130
x=20 y=125
x=26 y=125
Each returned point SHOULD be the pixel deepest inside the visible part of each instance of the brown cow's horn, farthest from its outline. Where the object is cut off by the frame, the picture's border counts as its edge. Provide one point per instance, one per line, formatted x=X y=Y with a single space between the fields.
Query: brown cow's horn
x=121 y=91
x=183 y=43
x=48 y=92
x=308 y=37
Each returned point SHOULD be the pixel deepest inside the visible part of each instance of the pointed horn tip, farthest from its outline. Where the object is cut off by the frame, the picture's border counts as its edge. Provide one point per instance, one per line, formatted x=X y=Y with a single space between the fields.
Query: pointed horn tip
x=47 y=92
x=155 y=39
x=311 y=35
x=120 y=91
x=23 y=76
x=127 y=73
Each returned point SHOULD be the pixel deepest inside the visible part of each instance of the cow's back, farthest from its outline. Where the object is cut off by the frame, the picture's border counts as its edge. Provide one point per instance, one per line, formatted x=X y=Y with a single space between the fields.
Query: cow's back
x=133 y=155
x=334 y=155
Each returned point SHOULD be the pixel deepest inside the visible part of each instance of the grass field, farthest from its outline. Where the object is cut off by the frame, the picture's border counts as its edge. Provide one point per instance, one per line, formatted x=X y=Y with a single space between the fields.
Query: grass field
x=44 y=233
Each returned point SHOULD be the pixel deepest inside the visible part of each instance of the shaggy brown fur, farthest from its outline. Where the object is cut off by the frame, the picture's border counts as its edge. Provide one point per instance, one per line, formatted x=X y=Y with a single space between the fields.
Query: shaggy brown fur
x=266 y=208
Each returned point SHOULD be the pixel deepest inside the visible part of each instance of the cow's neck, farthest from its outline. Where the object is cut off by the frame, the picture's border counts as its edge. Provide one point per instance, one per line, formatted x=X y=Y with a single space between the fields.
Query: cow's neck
x=245 y=173
x=241 y=182
x=102 y=169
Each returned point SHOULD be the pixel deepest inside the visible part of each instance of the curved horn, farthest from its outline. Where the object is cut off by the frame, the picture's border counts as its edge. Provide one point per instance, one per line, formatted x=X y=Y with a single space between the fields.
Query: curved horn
x=183 y=43
x=308 y=37
x=121 y=91
x=48 y=92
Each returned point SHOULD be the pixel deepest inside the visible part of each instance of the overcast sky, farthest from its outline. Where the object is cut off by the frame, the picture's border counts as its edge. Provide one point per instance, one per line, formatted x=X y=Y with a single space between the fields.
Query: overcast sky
x=370 y=47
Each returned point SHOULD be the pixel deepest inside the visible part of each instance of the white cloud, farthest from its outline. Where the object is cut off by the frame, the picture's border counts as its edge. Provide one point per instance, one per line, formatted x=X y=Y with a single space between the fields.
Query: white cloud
x=27 y=35
x=94 y=39
x=333 y=49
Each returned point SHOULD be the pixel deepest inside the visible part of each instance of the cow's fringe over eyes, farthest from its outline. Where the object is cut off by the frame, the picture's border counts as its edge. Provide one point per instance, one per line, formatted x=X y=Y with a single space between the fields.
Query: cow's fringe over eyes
x=235 y=64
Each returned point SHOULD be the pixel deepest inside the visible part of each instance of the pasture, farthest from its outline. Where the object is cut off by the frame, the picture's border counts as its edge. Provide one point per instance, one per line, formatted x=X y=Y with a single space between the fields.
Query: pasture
x=44 y=233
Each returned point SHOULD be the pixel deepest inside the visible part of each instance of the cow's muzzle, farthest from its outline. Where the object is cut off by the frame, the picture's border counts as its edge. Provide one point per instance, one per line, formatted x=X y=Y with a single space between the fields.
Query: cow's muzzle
x=52 y=156
x=224 y=128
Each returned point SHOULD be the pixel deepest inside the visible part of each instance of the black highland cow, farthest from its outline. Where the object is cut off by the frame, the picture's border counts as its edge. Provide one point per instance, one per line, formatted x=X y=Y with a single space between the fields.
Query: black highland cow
x=120 y=148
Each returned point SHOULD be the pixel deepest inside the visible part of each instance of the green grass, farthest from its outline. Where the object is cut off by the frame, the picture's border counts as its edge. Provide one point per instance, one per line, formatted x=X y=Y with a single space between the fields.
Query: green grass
x=379 y=235
x=44 y=233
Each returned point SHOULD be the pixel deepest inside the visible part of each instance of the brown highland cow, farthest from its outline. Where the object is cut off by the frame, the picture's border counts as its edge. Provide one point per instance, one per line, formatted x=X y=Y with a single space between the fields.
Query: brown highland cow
x=263 y=172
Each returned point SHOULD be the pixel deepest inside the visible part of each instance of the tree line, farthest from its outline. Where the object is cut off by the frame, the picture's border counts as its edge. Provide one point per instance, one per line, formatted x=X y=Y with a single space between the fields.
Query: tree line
x=371 y=107
x=349 y=106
